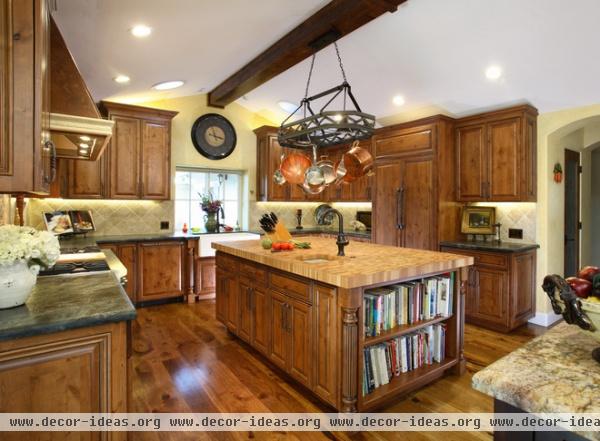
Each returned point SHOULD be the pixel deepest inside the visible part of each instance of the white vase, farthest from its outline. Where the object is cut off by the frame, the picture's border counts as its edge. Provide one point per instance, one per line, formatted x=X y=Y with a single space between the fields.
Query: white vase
x=16 y=283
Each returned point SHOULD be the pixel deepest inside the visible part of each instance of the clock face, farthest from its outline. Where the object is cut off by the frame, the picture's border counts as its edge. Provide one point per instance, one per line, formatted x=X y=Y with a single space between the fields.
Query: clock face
x=213 y=136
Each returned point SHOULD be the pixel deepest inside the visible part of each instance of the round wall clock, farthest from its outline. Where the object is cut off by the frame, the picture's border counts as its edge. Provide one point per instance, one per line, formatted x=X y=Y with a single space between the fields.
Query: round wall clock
x=213 y=136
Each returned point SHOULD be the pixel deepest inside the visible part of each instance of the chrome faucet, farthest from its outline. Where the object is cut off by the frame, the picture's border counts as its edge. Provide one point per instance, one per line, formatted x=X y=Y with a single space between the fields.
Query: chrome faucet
x=341 y=241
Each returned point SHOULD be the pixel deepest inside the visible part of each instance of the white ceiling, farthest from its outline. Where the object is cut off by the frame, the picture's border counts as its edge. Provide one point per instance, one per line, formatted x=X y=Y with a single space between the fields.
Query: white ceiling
x=433 y=52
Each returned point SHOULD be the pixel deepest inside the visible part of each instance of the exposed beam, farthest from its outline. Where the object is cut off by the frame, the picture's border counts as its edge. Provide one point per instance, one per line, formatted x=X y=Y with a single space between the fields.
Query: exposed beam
x=333 y=21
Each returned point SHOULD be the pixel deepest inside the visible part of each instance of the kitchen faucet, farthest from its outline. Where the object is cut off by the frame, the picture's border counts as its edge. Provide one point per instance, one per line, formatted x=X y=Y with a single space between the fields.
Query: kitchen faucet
x=341 y=241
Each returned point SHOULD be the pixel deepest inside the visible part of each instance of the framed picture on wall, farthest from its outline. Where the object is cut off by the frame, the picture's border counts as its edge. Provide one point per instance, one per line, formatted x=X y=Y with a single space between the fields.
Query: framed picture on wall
x=478 y=220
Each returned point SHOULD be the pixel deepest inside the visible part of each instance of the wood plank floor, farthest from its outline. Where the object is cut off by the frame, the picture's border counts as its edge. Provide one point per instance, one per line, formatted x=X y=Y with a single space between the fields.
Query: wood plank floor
x=185 y=361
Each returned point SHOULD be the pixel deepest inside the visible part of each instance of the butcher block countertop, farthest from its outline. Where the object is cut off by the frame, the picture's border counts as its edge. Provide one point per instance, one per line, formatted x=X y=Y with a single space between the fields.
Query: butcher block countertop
x=365 y=264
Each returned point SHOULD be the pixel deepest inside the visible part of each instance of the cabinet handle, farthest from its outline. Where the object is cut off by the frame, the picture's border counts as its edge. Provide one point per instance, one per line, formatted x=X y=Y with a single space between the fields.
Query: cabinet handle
x=49 y=178
x=400 y=208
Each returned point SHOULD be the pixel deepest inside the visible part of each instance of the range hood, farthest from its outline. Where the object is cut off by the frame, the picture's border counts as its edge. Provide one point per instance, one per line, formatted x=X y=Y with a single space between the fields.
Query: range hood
x=76 y=125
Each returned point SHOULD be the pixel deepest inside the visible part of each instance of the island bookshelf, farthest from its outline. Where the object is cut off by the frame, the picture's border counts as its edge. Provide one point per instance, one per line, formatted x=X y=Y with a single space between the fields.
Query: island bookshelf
x=414 y=379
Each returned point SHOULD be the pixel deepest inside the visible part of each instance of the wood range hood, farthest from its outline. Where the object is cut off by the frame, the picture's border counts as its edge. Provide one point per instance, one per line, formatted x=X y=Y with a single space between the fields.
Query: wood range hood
x=76 y=125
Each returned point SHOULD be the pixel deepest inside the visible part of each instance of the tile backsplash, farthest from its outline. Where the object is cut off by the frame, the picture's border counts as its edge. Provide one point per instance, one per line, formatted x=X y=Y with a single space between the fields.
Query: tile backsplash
x=515 y=215
x=111 y=217
x=286 y=211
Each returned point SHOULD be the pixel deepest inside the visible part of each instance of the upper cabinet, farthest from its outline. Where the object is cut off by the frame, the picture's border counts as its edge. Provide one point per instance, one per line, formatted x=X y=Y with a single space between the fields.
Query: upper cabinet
x=27 y=157
x=496 y=156
x=268 y=159
x=136 y=163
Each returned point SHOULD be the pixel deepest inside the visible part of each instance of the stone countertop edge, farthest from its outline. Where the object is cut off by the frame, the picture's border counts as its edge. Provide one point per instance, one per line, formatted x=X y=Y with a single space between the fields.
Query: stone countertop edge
x=503 y=247
x=553 y=373
x=60 y=303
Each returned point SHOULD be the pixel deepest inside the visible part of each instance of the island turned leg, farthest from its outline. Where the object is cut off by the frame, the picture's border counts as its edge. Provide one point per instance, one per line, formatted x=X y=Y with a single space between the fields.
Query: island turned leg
x=189 y=270
x=462 y=276
x=349 y=359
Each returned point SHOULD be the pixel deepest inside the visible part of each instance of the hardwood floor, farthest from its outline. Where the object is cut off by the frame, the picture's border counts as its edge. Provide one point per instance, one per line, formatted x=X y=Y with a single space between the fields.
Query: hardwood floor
x=185 y=361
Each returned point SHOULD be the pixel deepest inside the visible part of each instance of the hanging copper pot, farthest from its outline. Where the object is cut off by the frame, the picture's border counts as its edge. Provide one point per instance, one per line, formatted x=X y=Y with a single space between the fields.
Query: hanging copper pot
x=358 y=162
x=294 y=166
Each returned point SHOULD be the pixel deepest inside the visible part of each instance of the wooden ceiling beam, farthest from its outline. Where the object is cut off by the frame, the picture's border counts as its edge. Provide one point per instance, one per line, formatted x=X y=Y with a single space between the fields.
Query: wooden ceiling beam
x=330 y=23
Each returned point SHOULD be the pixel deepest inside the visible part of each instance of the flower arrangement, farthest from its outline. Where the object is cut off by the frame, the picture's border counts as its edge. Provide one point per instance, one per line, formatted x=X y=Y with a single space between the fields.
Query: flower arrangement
x=208 y=204
x=25 y=244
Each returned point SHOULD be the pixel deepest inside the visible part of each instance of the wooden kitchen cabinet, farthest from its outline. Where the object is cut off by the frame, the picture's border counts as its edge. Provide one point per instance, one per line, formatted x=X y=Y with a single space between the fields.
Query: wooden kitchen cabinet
x=496 y=156
x=27 y=156
x=161 y=270
x=500 y=288
x=84 y=179
x=414 y=195
x=245 y=305
x=127 y=254
x=204 y=276
x=80 y=370
x=138 y=157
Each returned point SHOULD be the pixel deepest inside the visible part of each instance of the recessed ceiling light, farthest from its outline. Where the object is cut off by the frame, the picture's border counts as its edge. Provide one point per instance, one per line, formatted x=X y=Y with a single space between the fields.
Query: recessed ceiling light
x=167 y=85
x=398 y=100
x=84 y=145
x=493 y=72
x=141 y=31
x=287 y=106
x=85 y=138
x=122 y=79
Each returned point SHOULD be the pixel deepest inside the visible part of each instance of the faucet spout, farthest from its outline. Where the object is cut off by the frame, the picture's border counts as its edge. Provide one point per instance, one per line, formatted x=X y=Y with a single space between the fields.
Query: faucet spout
x=341 y=241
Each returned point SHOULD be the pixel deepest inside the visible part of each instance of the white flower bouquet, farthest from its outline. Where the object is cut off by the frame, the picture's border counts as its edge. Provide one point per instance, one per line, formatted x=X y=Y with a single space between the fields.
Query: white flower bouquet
x=25 y=244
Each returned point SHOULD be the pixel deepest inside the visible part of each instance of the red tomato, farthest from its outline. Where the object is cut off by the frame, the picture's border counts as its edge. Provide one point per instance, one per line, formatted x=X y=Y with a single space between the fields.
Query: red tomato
x=276 y=246
x=289 y=246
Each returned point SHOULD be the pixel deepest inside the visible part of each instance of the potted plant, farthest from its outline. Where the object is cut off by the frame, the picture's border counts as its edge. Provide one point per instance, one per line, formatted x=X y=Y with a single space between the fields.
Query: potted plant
x=23 y=250
x=558 y=173
x=211 y=207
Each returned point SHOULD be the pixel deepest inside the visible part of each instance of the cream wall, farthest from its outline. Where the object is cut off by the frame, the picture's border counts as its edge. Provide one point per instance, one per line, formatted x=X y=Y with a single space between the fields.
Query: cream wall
x=576 y=129
x=595 y=208
x=183 y=152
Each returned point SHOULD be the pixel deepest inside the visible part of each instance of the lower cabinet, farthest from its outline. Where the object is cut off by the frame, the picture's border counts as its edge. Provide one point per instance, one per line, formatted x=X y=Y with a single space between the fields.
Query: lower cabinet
x=500 y=288
x=292 y=321
x=159 y=270
x=80 y=370
x=204 y=276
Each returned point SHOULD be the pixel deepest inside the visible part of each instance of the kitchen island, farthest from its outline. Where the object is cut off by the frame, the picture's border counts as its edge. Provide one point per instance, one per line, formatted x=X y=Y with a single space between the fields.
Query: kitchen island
x=552 y=373
x=304 y=310
x=66 y=349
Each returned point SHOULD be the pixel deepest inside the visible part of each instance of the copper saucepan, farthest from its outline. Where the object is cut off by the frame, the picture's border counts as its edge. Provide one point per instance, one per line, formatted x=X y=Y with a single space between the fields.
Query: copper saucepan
x=358 y=162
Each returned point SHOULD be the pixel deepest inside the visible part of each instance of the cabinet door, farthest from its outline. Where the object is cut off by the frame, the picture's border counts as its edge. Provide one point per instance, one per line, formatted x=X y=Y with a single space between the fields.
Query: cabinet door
x=504 y=160
x=279 y=336
x=244 y=299
x=128 y=256
x=85 y=179
x=471 y=162
x=155 y=160
x=325 y=347
x=523 y=287
x=124 y=154
x=204 y=276
x=6 y=112
x=161 y=270
x=299 y=328
x=260 y=320
x=418 y=205
x=387 y=203
x=491 y=296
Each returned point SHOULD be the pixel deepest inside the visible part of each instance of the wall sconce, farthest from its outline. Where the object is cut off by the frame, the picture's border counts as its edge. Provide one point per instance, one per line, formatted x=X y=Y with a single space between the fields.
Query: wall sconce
x=558 y=173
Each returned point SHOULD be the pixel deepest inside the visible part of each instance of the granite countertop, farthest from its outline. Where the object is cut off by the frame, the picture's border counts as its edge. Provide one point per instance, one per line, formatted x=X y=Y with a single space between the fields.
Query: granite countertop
x=505 y=247
x=552 y=373
x=365 y=264
x=58 y=303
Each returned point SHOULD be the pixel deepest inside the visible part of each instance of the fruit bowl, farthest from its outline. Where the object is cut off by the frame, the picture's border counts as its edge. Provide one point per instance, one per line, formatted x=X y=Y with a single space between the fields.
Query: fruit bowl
x=583 y=312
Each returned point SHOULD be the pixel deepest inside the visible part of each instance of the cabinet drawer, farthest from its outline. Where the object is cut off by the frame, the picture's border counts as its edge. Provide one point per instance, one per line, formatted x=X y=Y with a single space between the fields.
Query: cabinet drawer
x=411 y=141
x=253 y=272
x=226 y=262
x=499 y=260
x=291 y=286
